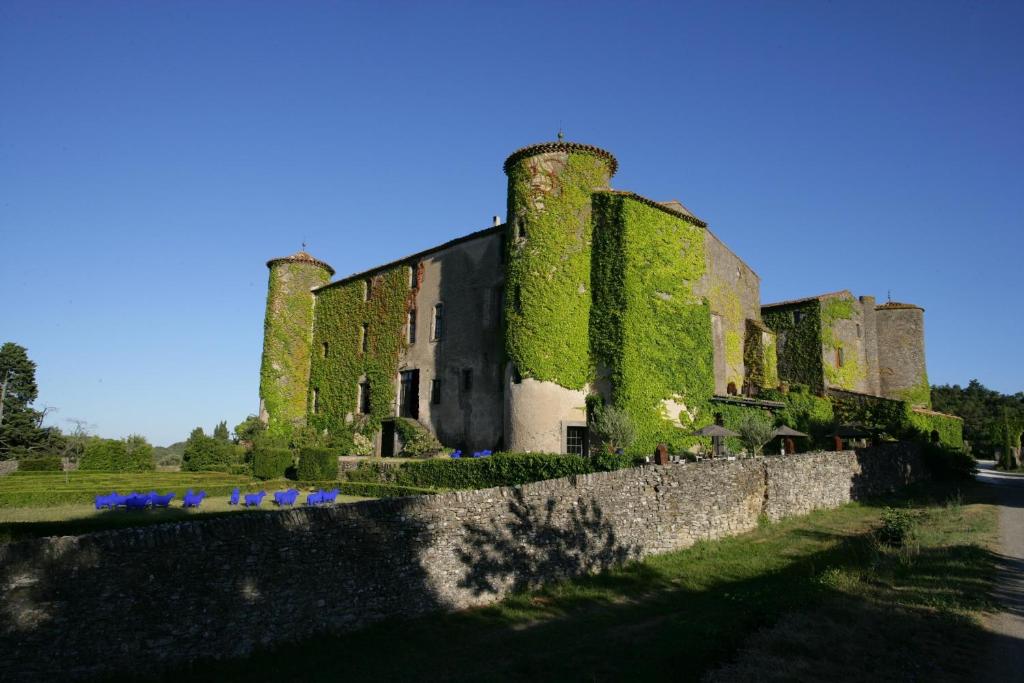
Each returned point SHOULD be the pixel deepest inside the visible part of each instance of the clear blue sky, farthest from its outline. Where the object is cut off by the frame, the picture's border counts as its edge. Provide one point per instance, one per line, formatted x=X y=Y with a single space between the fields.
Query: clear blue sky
x=153 y=156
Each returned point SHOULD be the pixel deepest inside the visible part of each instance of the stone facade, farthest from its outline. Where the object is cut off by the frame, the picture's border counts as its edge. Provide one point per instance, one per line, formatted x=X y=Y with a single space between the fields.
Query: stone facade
x=518 y=302
x=869 y=349
x=144 y=598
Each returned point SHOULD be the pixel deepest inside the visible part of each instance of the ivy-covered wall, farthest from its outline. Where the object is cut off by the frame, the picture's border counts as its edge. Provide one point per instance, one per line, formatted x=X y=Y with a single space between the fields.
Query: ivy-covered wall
x=836 y=337
x=647 y=327
x=287 y=329
x=898 y=419
x=799 y=343
x=760 y=358
x=341 y=312
x=548 y=271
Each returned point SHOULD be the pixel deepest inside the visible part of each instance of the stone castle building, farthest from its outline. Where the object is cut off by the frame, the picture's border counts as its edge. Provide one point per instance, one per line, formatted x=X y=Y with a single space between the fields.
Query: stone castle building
x=502 y=338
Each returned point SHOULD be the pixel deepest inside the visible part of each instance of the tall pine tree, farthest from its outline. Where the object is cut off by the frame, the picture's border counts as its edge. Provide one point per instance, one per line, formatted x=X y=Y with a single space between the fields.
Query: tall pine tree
x=20 y=425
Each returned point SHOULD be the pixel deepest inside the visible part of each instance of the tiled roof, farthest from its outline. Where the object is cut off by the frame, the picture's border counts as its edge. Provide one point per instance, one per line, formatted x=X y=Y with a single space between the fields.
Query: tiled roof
x=893 y=305
x=301 y=257
x=545 y=147
x=818 y=297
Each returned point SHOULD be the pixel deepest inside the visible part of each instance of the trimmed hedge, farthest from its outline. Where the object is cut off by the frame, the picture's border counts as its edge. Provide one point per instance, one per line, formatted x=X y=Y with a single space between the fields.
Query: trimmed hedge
x=271 y=463
x=45 y=463
x=501 y=469
x=377 y=490
x=317 y=464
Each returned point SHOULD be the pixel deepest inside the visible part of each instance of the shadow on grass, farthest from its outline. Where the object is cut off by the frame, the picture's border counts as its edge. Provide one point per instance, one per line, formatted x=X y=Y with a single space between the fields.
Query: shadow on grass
x=866 y=613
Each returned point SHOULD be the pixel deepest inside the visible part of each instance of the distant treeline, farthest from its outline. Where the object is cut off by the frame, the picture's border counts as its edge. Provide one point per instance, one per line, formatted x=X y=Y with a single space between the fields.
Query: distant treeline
x=992 y=420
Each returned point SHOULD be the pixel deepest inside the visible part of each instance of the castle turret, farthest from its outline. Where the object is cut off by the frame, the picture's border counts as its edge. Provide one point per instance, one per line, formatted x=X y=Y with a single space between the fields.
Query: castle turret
x=547 y=291
x=287 y=336
x=901 y=365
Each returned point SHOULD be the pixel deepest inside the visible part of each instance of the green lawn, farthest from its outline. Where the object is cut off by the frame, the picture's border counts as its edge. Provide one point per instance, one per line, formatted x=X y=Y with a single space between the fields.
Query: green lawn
x=807 y=599
x=34 y=504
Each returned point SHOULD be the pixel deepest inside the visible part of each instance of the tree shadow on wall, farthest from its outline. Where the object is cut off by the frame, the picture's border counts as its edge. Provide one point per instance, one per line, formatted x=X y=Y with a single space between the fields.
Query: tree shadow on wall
x=539 y=543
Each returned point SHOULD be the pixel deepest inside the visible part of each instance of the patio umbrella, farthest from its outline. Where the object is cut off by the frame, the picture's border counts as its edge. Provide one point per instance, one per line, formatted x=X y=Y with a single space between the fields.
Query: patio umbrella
x=786 y=431
x=717 y=433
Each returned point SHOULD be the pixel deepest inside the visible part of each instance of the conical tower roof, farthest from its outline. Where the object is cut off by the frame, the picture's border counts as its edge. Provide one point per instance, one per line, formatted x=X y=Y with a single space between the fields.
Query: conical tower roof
x=302 y=257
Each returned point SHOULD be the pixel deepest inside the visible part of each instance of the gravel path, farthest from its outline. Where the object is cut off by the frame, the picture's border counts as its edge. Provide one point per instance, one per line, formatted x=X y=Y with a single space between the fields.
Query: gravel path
x=1007 y=626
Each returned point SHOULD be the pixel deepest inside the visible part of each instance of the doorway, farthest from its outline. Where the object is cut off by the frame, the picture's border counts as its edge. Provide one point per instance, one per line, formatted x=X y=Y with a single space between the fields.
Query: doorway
x=387 y=438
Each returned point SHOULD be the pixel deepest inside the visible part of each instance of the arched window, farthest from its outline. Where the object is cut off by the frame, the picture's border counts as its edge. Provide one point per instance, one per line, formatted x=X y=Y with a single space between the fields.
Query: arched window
x=731 y=389
x=520 y=228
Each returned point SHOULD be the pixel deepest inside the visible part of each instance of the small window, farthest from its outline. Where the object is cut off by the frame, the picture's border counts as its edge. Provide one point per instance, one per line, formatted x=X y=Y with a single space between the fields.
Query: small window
x=576 y=440
x=325 y=349
x=520 y=228
x=435 y=391
x=316 y=401
x=367 y=289
x=858 y=330
x=840 y=357
x=364 y=398
x=467 y=379
x=410 y=333
x=414 y=275
x=517 y=378
x=731 y=389
x=364 y=338
x=798 y=316
x=438 y=327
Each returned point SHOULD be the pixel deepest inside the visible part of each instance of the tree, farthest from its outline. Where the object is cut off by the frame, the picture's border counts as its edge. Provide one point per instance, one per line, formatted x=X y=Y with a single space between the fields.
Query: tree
x=249 y=429
x=755 y=429
x=21 y=427
x=206 y=453
x=613 y=428
x=220 y=432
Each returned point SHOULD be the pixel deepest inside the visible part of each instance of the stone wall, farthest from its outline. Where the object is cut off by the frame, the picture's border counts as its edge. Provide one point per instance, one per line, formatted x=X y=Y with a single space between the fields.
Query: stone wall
x=140 y=599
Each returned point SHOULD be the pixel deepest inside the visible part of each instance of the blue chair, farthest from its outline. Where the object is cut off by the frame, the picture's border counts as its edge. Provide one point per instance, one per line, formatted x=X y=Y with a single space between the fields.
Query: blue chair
x=163 y=501
x=254 y=499
x=285 y=497
x=456 y=454
x=233 y=500
x=314 y=498
x=329 y=496
x=192 y=500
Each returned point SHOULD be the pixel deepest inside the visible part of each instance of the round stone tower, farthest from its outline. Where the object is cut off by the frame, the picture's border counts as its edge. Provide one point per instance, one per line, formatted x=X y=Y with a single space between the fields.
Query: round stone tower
x=901 y=365
x=287 y=336
x=547 y=291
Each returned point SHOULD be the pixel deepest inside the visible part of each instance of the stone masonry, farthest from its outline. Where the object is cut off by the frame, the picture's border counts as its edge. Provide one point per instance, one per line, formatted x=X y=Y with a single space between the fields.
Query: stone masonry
x=143 y=599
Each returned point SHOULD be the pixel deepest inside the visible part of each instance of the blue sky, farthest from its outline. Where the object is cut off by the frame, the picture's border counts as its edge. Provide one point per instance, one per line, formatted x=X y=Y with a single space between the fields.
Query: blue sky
x=154 y=155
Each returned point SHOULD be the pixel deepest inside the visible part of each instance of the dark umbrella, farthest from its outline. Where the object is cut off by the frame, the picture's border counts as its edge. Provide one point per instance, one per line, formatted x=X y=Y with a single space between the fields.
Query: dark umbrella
x=717 y=433
x=786 y=431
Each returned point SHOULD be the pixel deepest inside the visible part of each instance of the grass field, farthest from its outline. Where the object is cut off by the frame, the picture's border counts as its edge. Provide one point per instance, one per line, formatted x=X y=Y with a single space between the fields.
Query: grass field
x=807 y=599
x=34 y=504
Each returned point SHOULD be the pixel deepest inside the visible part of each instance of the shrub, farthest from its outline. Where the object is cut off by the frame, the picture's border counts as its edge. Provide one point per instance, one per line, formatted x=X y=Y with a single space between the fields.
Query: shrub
x=43 y=463
x=502 y=469
x=755 y=428
x=271 y=463
x=108 y=455
x=361 y=445
x=949 y=463
x=612 y=428
x=317 y=464
x=208 y=454
x=416 y=439
x=896 y=527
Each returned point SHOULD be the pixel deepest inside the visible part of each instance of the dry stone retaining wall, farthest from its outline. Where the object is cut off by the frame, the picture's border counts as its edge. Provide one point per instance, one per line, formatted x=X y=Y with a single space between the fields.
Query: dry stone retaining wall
x=139 y=599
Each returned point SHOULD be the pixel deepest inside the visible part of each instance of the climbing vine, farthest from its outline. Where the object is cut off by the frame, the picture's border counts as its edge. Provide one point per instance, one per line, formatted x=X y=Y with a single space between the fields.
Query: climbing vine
x=548 y=266
x=798 y=334
x=852 y=373
x=920 y=395
x=647 y=328
x=341 y=313
x=286 y=335
x=759 y=356
x=725 y=302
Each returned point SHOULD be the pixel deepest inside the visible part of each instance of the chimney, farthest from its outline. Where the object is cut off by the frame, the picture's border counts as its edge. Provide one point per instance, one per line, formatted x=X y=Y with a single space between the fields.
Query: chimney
x=497 y=221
